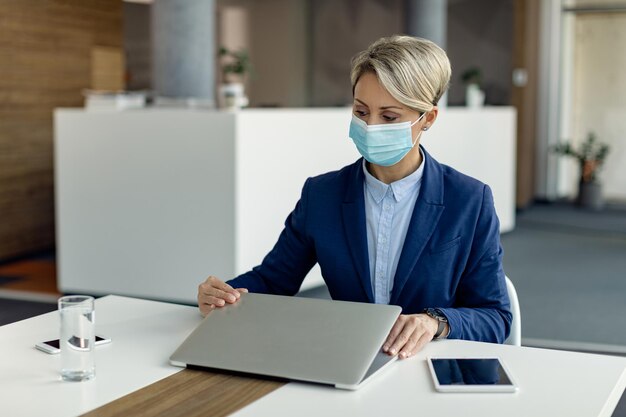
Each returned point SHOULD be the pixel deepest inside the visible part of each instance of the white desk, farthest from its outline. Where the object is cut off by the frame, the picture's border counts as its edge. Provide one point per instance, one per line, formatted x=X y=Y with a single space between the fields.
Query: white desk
x=145 y=333
x=552 y=383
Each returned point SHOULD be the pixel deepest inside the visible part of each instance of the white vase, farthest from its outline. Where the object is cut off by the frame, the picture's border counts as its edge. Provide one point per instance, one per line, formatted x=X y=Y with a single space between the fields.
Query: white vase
x=474 y=96
x=232 y=96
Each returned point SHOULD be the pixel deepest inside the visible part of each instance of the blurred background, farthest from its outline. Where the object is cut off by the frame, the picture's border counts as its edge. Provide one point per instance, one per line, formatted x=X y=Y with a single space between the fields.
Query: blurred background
x=132 y=140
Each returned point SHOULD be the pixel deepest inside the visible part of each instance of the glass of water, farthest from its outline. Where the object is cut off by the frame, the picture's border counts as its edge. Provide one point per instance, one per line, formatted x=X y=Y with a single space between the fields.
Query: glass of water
x=77 y=337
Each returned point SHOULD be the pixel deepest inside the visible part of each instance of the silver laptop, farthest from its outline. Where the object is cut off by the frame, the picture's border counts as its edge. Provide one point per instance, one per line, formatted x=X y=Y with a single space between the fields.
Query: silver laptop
x=323 y=341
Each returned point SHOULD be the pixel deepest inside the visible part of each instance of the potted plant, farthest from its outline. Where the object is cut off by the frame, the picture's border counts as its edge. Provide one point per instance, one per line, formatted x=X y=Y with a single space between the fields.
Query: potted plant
x=590 y=156
x=474 y=96
x=235 y=67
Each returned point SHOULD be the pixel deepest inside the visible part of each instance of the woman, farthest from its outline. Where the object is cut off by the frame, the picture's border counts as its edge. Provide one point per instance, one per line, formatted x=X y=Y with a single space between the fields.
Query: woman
x=395 y=227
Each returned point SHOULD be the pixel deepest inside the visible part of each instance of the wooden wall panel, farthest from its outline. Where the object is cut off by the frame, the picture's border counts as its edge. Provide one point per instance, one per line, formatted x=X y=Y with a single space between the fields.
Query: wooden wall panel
x=525 y=55
x=45 y=62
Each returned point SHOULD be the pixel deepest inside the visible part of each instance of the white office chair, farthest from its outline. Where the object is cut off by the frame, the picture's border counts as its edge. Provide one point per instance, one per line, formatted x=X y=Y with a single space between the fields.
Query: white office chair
x=515 y=337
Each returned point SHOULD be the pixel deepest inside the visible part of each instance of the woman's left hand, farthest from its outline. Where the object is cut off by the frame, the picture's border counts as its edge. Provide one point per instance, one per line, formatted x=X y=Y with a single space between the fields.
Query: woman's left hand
x=410 y=334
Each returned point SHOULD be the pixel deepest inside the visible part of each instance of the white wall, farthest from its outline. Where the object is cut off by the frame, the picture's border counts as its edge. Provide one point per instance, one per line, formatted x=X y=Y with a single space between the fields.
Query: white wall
x=599 y=92
x=567 y=169
x=548 y=100
x=582 y=89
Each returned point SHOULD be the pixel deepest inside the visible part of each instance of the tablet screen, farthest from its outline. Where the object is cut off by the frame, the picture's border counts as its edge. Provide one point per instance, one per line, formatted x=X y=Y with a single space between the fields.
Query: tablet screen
x=470 y=372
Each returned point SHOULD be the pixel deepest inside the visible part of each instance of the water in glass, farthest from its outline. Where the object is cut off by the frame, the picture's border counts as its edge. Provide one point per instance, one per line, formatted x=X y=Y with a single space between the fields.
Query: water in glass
x=77 y=338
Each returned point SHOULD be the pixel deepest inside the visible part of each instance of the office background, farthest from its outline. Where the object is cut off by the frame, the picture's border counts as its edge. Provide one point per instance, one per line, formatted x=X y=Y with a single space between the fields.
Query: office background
x=557 y=63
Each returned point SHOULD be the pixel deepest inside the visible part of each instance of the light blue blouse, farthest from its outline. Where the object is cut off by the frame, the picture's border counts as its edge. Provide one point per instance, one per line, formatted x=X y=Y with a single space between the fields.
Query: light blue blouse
x=388 y=209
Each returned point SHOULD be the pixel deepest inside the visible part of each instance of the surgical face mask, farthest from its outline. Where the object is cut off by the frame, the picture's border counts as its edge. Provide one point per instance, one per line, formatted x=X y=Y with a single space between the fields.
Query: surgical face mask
x=384 y=144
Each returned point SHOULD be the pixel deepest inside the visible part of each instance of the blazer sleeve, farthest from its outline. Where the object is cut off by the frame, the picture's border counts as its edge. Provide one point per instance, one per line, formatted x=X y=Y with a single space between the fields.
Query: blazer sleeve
x=482 y=309
x=284 y=268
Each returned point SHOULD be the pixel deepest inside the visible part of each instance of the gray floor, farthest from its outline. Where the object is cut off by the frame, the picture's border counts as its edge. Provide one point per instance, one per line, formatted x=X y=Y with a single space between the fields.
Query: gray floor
x=610 y=221
x=569 y=268
x=15 y=310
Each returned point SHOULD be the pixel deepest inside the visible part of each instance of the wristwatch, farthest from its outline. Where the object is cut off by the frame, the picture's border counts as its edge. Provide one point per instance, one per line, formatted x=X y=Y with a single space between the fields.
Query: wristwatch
x=437 y=315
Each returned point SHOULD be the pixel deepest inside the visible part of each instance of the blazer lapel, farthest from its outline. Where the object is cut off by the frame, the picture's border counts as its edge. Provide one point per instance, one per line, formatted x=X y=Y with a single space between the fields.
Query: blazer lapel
x=354 y=226
x=426 y=214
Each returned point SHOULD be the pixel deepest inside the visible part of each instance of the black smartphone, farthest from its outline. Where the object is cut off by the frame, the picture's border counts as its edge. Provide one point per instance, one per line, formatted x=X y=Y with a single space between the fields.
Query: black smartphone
x=53 y=347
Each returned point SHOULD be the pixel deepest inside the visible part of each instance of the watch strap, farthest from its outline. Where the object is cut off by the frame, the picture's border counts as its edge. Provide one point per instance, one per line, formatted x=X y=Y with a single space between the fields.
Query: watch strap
x=440 y=329
x=441 y=319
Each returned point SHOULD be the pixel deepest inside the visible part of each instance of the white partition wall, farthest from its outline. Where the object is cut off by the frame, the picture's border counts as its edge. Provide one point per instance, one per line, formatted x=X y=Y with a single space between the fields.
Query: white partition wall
x=277 y=150
x=150 y=202
x=144 y=201
x=480 y=143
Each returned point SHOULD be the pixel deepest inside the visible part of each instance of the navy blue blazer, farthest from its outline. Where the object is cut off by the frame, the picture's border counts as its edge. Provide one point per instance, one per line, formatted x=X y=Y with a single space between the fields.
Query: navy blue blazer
x=451 y=258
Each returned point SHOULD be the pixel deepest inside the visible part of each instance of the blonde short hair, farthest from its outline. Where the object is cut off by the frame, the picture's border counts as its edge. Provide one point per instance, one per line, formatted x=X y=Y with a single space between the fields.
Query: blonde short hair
x=415 y=71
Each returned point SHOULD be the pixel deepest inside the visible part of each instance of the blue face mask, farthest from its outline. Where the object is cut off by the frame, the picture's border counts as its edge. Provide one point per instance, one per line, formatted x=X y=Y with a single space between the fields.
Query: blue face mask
x=384 y=144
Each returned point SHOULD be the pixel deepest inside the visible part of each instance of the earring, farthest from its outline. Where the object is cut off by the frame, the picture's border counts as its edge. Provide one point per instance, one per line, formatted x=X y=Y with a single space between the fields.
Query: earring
x=425 y=128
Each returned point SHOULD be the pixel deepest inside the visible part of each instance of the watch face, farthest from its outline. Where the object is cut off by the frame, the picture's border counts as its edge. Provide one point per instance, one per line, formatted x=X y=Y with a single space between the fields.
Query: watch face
x=436 y=315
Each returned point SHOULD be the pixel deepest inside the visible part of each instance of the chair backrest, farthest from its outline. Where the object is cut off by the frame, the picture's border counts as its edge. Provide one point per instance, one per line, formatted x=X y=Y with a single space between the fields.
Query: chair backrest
x=515 y=337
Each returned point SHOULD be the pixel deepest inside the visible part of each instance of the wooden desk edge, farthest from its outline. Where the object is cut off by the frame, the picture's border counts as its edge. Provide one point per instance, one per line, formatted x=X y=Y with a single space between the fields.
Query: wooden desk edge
x=191 y=393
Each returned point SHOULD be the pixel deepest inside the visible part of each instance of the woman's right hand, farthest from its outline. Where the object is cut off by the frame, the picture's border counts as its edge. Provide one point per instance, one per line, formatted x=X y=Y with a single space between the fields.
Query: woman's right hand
x=214 y=293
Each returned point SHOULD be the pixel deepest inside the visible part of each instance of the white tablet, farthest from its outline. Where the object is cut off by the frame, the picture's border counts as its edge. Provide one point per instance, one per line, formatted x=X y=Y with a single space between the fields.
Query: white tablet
x=471 y=375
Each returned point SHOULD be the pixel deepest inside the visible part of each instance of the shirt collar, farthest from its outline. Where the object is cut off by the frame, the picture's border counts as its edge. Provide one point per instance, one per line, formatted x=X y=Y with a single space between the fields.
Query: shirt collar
x=399 y=189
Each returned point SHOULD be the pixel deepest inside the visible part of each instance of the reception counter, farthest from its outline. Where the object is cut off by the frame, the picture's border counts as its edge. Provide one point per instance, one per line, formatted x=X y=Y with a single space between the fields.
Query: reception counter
x=150 y=202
